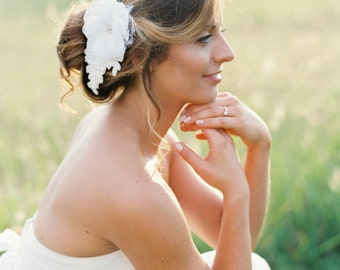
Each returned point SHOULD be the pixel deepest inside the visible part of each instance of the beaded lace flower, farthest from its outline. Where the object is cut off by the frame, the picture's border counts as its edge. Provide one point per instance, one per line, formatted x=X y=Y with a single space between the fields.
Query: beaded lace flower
x=109 y=30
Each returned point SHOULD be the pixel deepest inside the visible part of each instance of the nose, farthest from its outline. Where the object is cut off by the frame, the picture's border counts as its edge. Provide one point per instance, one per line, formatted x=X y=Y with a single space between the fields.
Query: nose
x=223 y=51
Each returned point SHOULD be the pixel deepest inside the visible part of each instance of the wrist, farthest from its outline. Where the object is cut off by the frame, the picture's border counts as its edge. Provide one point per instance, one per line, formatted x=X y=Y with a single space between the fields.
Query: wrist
x=264 y=144
x=237 y=194
x=263 y=139
x=236 y=210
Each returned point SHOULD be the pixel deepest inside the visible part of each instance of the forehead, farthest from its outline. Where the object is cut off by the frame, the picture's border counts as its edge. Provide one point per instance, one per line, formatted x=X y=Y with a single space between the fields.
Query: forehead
x=210 y=18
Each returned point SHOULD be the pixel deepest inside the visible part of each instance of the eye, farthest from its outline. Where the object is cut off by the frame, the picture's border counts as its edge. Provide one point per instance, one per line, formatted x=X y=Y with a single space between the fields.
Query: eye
x=205 y=39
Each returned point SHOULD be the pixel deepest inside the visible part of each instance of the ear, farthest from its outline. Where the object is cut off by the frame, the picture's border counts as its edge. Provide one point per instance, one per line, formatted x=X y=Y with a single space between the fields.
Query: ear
x=135 y=60
x=136 y=63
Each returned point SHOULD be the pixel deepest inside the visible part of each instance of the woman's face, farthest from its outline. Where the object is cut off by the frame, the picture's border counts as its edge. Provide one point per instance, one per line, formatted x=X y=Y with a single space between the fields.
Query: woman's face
x=192 y=71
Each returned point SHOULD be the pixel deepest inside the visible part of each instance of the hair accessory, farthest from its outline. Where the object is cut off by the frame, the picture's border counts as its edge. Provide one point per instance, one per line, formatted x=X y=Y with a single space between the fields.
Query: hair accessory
x=108 y=27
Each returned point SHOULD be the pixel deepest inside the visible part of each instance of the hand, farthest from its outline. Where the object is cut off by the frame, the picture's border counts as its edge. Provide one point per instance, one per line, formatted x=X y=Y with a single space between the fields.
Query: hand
x=221 y=168
x=229 y=113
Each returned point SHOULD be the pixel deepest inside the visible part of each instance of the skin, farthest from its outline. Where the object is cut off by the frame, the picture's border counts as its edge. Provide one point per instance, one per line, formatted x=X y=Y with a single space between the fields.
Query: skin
x=241 y=121
x=112 y=191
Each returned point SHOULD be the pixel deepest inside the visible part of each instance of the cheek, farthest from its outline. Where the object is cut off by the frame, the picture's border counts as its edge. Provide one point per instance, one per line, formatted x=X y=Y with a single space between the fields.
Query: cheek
x=189 y=60
x=190 y=67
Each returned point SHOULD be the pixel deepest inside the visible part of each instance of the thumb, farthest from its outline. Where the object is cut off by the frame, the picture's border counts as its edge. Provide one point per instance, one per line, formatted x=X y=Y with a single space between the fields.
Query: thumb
x=194 y=160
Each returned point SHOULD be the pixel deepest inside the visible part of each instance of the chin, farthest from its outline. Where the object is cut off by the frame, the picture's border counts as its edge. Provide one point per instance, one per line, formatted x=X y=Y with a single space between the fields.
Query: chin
x=208 y=96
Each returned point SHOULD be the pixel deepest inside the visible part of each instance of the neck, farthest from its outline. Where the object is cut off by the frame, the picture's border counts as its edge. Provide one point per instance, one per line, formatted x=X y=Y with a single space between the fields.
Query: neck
x=138 y=112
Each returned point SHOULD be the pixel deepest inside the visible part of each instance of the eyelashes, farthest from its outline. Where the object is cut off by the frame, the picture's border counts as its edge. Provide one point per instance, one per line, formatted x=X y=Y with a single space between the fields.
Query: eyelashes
x=205 y=39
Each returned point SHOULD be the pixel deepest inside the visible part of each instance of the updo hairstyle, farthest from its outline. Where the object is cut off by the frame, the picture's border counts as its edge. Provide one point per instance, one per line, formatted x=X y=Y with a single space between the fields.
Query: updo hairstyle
x=158 y=24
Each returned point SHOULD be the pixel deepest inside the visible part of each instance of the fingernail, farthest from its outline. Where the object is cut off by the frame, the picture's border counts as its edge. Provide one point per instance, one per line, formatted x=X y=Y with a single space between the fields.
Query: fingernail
x=187 y=119
x=179 y=147
x=181 y=119
x=199 y=122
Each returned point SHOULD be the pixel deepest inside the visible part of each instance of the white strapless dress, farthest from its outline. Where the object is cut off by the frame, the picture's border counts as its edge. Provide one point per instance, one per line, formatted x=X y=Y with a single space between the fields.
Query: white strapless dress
x=27 y=253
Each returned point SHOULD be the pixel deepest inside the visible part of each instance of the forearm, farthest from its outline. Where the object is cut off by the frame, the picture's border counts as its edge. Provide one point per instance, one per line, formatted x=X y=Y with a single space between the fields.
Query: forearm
x=257 y=168
x=234 y=242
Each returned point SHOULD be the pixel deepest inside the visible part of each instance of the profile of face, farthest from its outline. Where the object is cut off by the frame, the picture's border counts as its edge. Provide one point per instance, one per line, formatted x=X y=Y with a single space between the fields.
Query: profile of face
x=179 y=51
x=192 y=71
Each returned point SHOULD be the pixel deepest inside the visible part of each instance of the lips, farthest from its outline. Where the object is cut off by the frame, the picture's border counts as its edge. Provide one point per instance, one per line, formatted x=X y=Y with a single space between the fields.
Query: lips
x=214 y=77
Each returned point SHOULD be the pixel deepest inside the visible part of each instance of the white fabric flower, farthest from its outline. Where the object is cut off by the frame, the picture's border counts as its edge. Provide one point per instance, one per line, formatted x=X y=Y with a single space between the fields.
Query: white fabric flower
x=107 y=27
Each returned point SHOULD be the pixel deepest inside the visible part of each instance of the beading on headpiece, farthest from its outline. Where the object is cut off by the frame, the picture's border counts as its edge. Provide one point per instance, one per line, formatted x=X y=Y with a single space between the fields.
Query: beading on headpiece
x=108 y=27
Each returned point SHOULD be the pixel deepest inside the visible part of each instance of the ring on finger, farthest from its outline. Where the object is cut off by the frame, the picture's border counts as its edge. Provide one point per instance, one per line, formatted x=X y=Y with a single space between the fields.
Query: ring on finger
x=225 y=110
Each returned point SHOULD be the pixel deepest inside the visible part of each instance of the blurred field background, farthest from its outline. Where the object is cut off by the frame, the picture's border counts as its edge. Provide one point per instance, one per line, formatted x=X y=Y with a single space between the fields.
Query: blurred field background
x=286 y=69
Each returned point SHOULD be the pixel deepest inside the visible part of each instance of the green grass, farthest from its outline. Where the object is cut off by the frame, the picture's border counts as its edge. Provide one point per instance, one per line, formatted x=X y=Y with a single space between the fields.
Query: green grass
x=286 y=69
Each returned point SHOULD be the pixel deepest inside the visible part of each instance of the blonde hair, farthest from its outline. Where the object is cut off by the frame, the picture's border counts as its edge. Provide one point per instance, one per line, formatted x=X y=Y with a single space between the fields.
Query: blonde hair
x=158 y=24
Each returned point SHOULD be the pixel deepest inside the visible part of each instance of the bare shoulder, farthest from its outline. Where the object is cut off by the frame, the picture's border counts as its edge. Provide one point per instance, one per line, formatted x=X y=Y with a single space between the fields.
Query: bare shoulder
x=84 y=124
x=145 y=220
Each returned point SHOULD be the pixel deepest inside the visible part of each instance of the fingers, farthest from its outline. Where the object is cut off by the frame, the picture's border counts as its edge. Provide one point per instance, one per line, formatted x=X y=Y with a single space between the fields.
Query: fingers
x=201 y=136
x=218 y=141
x=194 y=117
x=226 y=123
x=216 y=116
x=221 y=100
x=229 y=113
x=195 y=161
x=222 y=158
x=212 y=110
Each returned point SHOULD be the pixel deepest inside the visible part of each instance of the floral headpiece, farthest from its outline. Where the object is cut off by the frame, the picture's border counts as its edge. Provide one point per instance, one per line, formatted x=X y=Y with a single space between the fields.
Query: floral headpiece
x=108 y=27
